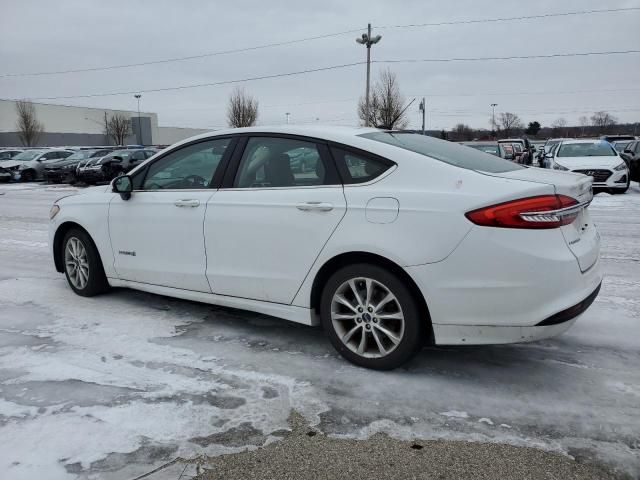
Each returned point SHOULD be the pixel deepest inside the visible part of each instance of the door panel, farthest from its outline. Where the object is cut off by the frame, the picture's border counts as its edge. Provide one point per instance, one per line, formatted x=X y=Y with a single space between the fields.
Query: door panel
x=262 y=243
x=157 y=238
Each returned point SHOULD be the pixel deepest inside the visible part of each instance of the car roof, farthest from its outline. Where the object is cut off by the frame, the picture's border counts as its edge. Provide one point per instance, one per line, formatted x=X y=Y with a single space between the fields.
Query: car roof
x=582 y=140
x=317 y=131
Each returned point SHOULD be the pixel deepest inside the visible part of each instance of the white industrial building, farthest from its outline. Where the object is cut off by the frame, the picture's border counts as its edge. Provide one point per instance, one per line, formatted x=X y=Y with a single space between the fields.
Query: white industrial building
x=69 y=125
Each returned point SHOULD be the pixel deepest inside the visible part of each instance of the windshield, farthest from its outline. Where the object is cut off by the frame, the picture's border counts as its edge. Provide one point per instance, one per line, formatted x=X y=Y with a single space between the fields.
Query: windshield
x=447 y=152
x=595 y=149
x=620 y=146
x=28 y=155
x=124 y=154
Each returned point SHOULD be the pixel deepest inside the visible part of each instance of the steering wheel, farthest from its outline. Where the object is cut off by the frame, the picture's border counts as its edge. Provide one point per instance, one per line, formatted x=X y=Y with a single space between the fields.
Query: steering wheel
x=194 y=181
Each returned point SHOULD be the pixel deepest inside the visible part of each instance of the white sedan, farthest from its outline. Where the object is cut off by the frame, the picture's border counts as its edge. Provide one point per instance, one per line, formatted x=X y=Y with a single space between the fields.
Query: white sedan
x=596 y=158
x=389 y=240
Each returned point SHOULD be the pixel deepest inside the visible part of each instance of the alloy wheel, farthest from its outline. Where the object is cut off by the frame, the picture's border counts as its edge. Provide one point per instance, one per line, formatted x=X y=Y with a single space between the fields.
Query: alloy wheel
x=367 y=317
x=76 y=263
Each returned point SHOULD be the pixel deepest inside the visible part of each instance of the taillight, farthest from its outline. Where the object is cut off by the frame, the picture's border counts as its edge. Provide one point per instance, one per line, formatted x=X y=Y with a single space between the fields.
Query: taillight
x=544 y=211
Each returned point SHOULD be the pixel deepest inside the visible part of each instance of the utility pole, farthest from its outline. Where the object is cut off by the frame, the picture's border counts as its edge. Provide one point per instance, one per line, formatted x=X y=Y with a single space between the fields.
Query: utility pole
x=423 y=108
x=137 y=96
x=493 y=117
x=368 y=41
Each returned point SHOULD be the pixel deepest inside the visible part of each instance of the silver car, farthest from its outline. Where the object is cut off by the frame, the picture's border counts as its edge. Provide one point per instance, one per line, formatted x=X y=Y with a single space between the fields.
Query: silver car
x=29 y=165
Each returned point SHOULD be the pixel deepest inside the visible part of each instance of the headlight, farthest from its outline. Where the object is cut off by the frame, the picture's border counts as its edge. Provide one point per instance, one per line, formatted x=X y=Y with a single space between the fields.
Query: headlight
x=557 y=166
x=620 y=167
x=54 y=211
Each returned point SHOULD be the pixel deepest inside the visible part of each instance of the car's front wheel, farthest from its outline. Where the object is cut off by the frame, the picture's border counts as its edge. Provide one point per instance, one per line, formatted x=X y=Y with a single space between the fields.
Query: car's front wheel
x=82 y=264
x=371 y=317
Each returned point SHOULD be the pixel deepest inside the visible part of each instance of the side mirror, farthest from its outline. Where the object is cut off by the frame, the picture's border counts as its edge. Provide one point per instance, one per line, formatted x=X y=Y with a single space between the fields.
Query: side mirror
x=123 y=185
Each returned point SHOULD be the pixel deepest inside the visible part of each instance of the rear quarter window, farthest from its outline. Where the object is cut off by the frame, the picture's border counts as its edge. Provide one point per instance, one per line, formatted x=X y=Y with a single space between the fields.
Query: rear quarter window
x=444 y=151
x=358 y=168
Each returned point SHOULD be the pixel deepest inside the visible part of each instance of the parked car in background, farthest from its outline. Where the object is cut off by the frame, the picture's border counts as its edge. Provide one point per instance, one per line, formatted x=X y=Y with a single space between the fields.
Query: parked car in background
x=620 y=145
x=595 y=158
x=494 y=148
x=631 y=155
x=64 y=171
x=378 y=242
x=29 y=165
x=617 y=138
x=111 y=165
x=9 y=153
x=525 y=147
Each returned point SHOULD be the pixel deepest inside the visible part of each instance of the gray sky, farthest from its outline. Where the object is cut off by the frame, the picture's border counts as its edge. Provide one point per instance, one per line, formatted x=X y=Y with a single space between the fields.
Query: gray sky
x=41 y=35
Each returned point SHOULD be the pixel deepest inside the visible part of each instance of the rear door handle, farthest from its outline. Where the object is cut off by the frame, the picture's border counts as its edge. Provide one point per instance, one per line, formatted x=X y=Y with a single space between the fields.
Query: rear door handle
x=186 y=203
x=319 y=206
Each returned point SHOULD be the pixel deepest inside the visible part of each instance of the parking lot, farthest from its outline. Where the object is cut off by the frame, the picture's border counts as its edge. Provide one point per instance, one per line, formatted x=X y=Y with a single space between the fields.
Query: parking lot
x=118 y=385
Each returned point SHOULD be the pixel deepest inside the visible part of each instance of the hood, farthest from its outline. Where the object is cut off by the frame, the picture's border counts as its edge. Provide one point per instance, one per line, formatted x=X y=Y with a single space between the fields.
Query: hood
x=588 y=162
x=10 y=164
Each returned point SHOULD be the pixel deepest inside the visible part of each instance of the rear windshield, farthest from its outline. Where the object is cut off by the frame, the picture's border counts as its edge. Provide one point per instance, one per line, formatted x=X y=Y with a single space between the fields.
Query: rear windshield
x=447 y=152
x=595 y=149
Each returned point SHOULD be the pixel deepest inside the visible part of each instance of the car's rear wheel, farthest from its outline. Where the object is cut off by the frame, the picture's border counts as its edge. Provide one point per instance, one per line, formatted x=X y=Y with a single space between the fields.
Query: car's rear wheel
x=371 y=317
x=82 y=264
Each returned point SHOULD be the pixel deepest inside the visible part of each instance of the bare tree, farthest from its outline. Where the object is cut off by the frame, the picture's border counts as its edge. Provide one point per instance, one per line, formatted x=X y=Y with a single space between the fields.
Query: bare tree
x=28 y=127
x=559 y=127
x=463 y=132
x=387 y=107
x=118 y=127
x=584 y=124
x=509 y=123
x=242 y=110
x=603 y=121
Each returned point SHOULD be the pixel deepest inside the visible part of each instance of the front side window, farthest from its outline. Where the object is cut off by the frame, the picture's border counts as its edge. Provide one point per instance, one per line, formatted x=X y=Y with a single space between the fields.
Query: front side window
x=444 y=151
x=281 y=162
x=190 y=167
x=595 y=149
x=358 y=168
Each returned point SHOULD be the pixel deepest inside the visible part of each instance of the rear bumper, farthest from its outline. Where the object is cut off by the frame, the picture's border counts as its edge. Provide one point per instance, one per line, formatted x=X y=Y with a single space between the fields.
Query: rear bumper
x=501 y=285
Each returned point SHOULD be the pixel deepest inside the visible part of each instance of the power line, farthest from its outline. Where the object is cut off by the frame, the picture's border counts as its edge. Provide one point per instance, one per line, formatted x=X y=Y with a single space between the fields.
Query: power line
x=180 y=59
x=513 y=57
x=198 y=85
x=510 y=19
x=315 y=37
x=334 y=67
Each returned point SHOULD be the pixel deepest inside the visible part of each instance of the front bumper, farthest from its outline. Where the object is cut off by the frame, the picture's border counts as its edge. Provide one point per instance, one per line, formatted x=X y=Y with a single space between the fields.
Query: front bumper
x=91 y=175
x=59 y=176
x=605 y=177
x=500 y=285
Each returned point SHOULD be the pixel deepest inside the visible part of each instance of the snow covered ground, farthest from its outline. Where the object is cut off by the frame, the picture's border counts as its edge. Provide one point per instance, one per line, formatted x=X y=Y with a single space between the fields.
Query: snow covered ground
x=114 y=386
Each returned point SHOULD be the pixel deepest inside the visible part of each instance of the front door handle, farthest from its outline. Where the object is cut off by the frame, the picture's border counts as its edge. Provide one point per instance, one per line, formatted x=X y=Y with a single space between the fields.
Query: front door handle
x=186 y=203
x=319 y=206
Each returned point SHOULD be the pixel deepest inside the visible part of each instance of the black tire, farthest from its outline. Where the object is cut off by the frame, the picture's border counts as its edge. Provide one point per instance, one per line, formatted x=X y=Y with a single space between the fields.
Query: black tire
x=97 y=280
x=28 y=176
x=413 y=337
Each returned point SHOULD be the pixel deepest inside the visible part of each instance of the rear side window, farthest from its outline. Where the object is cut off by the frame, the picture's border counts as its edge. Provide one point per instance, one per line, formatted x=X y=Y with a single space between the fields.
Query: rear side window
x=269 y=162
x=357 y=168
x=447 y=152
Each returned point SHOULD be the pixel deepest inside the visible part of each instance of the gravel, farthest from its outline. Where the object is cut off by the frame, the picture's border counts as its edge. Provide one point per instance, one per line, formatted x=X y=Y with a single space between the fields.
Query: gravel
x=307 y=453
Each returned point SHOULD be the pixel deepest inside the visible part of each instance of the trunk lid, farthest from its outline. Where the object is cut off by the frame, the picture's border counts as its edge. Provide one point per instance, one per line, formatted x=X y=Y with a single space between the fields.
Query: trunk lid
x=581 y=236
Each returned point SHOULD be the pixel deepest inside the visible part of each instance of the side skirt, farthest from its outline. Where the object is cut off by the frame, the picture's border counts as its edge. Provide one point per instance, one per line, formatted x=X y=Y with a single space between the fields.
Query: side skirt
x=288 y=312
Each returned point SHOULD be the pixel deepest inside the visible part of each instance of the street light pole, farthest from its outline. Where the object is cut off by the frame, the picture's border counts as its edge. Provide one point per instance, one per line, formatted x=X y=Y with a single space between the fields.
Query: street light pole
x=493 y=116
x=368 y=41
x=287 y=114
x=137 y=96
x=423 y=108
